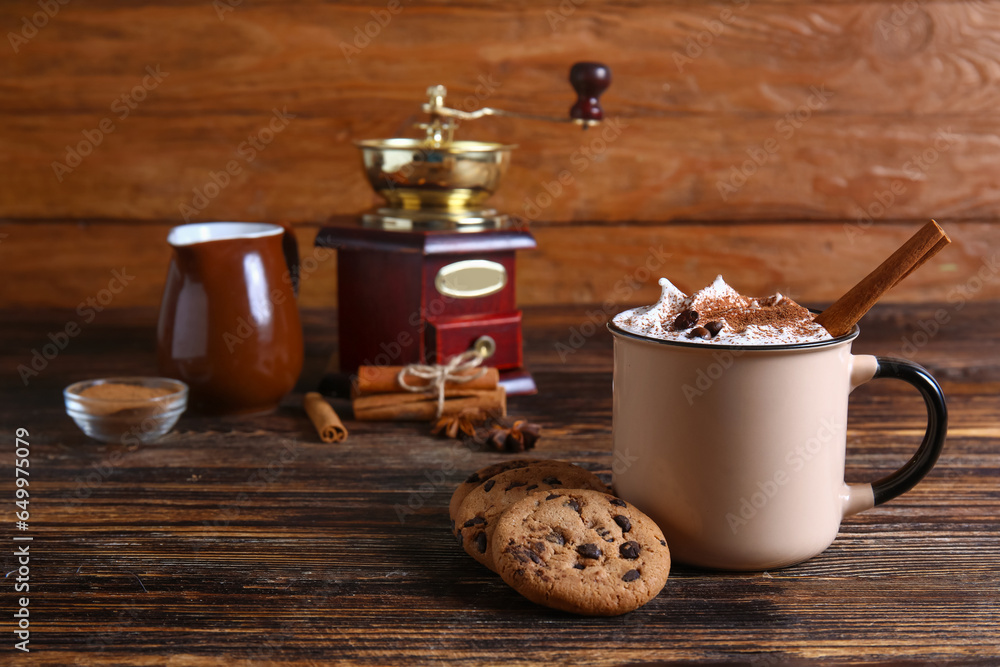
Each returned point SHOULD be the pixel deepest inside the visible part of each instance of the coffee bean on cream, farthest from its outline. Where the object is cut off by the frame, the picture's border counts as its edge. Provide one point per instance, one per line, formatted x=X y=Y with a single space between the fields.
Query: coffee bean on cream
x=718 y=314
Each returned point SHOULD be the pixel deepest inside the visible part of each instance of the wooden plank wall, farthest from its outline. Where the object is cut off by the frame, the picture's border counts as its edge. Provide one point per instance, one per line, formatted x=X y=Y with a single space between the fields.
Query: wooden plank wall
x=787 y=144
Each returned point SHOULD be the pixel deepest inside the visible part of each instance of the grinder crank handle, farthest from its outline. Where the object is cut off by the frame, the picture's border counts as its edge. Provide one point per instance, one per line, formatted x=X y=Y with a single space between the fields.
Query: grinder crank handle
x=589 y=80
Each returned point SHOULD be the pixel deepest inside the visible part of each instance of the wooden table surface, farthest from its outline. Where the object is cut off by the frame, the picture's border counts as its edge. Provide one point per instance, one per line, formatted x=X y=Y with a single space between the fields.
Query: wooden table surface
x=247 y=541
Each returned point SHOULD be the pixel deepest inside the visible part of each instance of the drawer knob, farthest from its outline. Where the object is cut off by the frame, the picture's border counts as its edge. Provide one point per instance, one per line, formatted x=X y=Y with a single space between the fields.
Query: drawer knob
x=485 y=346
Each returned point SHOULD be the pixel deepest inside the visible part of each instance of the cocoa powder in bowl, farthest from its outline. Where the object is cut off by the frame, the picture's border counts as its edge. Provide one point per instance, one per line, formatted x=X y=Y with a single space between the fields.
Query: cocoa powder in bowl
x=126 y=409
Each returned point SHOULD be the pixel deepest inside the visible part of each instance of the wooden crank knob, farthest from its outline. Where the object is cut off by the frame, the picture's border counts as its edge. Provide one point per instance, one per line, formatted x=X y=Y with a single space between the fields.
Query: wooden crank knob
x=589 y=80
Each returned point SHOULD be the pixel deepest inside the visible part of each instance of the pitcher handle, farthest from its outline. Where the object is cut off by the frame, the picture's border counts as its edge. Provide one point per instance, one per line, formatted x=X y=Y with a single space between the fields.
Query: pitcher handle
x=904 y=479
x=290 y=248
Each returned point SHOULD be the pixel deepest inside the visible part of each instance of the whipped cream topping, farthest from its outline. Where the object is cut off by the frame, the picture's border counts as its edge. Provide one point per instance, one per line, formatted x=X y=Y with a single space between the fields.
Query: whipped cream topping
x=720 y=315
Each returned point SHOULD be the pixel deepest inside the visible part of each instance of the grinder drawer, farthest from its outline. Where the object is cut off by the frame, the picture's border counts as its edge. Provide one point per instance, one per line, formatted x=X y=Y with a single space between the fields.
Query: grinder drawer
x=448 y=336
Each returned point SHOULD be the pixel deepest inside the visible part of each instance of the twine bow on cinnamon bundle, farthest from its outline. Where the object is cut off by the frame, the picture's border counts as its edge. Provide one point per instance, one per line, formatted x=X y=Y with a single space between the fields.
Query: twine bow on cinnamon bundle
x=438 y=375
x=422 y=392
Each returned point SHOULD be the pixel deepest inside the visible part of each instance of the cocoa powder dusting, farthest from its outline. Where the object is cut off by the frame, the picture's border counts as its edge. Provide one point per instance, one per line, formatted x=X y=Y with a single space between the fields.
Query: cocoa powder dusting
x=785 y=315
x=718 y=314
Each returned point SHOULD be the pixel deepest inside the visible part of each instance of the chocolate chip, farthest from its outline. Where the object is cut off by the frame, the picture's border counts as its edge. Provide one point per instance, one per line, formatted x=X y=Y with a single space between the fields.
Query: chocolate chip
x=572 y=503
x=699 y=332
x=685 y=320
x=474 y=477
x=481 y=542
x=629 y=550
x=458 y=535
x=514 y=485
x=663 y=543
x=589 y=550
x=524 y=555
x=714 y=327
x=631 y=575
x=618 y=501
x=533 y=486
x=489 y=485
x=474 y=521
x=555 y=538
x=578 y=566
x=552 y=496
x=623 y=523
x=552 y=481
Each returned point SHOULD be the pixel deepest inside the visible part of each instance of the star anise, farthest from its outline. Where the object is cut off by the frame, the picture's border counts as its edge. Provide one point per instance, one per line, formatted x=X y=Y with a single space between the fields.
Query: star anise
x=518 y=437
x=461 y=422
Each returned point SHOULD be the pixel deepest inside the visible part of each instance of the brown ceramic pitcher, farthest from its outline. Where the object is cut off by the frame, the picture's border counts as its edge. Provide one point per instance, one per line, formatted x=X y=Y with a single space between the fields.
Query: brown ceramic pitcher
x=229 y=322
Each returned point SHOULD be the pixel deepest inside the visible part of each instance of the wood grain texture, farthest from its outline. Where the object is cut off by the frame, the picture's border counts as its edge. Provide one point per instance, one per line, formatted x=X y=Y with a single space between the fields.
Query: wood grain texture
x=246 y=541
x=63 y=264
x=654 y=169
x=892 y=79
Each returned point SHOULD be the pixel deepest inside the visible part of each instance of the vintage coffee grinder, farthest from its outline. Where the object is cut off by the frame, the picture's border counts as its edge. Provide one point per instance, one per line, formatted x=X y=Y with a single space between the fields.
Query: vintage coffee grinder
x=431 y=274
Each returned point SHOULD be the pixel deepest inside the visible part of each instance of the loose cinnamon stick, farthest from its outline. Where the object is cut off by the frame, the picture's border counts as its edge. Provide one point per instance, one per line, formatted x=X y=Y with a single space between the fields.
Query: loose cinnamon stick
x=324 y=418
x=411 y=406
x=384 y=380
x=841 y=317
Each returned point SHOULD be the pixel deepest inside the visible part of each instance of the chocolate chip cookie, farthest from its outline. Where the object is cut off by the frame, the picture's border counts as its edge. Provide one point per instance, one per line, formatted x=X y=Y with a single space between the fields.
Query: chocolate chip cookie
x=478 y=478
x=581 y=551
x=478 y=513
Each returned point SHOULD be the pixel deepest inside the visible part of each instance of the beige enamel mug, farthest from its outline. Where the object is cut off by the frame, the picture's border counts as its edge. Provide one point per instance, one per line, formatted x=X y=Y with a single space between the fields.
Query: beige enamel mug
x=737 y=452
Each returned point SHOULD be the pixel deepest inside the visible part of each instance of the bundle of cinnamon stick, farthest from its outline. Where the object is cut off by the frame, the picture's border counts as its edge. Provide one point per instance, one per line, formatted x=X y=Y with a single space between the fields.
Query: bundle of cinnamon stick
x=376 y=395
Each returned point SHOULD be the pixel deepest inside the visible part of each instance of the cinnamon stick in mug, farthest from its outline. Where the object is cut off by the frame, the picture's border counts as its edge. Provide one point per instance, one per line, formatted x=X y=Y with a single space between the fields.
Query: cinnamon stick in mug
x=415 y=406
x=373 y=380
x=845 y=312
x=324 y=418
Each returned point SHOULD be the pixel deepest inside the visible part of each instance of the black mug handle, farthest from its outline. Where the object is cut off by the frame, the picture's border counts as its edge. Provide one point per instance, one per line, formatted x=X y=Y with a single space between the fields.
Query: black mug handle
x=927 y=454
x=290 y=248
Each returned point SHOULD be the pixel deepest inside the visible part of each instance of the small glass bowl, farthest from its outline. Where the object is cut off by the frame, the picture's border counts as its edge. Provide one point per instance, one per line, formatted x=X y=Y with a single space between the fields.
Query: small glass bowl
x=125 y=419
